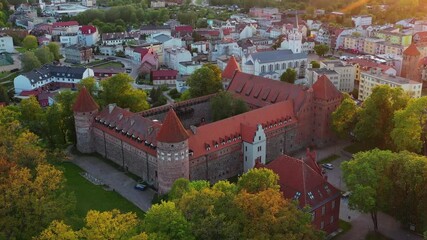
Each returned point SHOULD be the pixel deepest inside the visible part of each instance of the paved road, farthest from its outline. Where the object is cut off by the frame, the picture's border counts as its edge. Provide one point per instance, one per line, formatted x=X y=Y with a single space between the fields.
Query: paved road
x=116 y=179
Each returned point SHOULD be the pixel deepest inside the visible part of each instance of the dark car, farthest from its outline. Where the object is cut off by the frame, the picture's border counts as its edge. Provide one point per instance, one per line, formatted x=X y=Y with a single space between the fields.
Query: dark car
x=140 y=186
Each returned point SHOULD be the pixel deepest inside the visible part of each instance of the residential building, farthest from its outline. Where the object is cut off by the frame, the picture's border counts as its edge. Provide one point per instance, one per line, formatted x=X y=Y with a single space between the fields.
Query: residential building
x=347 y=73
x=69 y=39
x=371 y=79
x=403 y=39
x=88 y=35
x=153 y=29
x=118 y=38
x=263 y=12
x=6 y=44
x=77 y=54
x=187 y=68
x=111 y=50
x=411 y=58
x=157 y=4
x=89 y=3
x=50 y=76
x=165 y=143
x=314 y=74
x=271 y=64
x=224 y=48
x=164 y=77
x=102 y=73
x=173 y=56
x=303 y=181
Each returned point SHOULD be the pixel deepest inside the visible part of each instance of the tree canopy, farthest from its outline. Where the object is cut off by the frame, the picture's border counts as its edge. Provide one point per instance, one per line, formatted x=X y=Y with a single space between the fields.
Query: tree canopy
x=44 y=55
x=30 y=42
x=224 y=105
x=118 y=89
x=289 y=76
x=344 y=118
x=30 y=61
x=204 y=81
x=321 y=49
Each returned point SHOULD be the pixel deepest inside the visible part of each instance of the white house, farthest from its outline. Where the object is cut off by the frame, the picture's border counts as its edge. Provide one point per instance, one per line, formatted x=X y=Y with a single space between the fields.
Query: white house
x=247 y=32
x=6 y=43
x=272 y=64
x=347 y=73
x=68 y=40
x=188 y=68
x=88 y=35
x=362 y=20
x=47 y=75
x=227 y=48
x=173 y=56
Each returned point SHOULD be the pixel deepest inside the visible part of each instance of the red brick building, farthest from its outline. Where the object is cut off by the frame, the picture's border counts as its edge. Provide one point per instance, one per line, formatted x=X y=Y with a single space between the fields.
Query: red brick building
x=302 y=180
x=161 y=77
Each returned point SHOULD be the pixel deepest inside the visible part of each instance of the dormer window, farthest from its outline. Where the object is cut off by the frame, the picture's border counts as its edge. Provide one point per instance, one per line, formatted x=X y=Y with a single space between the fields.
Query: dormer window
x=310 y=195
x=297 y=195
x=207 y=147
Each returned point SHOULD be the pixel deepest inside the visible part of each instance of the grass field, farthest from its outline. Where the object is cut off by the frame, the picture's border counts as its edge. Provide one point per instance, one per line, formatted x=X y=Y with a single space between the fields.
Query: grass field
x=89 y=196
x=345 y=227
x=110 y=65
x=8 y=82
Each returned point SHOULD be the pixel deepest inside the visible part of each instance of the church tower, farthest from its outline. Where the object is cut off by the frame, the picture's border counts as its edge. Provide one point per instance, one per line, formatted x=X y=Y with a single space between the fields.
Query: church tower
x=172 y=152
x=85 y=110
x=411 y=58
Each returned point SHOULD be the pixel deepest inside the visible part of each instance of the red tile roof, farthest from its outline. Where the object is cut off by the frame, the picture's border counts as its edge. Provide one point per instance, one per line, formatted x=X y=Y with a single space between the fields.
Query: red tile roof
x=240 y=128
x=65 y=24
x=423 y=61
x=88 y=29
x=230 y=69
x=184 y=28
x=411 y=50
x=172 y=130
x=299 y=181
x=260 y=91
x=141 y=51
x=30 y=93
x=368 y=64
x=84 y=102
x=164 y=73
x=324 y=89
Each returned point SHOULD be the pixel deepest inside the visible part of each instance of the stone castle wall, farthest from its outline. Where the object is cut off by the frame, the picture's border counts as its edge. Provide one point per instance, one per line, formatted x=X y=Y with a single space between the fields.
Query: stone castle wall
x=83 y=125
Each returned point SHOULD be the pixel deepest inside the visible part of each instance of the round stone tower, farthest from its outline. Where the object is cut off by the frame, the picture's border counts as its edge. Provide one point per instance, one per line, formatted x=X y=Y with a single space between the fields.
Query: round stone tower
x=172 y=152
x=85 y=110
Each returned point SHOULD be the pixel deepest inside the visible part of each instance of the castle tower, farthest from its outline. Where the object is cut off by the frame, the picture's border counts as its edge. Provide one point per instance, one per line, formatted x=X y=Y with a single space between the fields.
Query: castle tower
x=411 y=58
x=229 y=71
x=85 y=110
x=172 y=152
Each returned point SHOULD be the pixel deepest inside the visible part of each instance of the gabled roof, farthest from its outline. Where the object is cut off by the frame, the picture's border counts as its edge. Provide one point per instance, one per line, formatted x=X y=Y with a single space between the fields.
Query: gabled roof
x=277 y=55
x=172 y=130
x=231 y=67
x=412 y=50
x=299 y=181
x=164 y=73
x=324 y=89
x=85 y=102
x=88 y=29
x=184 y=28
x=65 y=24
x=260 y=91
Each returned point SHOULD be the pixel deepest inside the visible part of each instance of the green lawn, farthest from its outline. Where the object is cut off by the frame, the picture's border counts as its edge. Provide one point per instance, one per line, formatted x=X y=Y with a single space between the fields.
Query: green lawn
x=8 y=82
x=89 y=196
x=424 y=92
x=376 y=236
x=329 y=159
x=356 y=147
x=20 y=49
x=110 y=65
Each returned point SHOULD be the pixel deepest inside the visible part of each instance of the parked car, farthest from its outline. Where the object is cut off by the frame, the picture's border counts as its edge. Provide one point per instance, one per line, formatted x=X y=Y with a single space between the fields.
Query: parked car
x=346 y=194
x=140 y=186
x=328 y=166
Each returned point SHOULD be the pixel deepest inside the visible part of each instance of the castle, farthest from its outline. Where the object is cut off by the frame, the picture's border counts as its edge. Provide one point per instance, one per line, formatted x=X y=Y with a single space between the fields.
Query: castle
x=180 y=140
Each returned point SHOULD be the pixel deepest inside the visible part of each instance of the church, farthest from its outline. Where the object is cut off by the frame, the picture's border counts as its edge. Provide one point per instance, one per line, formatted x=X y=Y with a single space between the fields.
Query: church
x=178 y=140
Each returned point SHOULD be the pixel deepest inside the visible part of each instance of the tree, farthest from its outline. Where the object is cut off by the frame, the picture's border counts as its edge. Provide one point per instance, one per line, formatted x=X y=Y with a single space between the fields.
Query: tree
x=54 y=49
x=365 y=178
x=224 y=105
x=289 y=76
x=109 y=225
x=29 y=61
x=167 y=221
x=32 y=115
x=44 y=55
x=30 y=42
x=56 y=132
x=376 y=116
x=410 y=128
x=118 y=89
x=315 y=64
x=4 y=96
x=66 y=100
x=58 y=230
x=31 y=200
x=344 y=118
x=204 y=81
x=321 y=49
x=257 y=180
x=90 y=84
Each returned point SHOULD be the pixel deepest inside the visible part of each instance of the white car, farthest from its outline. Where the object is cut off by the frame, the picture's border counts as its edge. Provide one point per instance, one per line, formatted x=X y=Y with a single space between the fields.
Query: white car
x=328 y=166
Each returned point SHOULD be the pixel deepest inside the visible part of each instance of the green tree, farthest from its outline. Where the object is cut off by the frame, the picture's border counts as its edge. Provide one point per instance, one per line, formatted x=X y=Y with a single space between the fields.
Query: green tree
x=44 y=55
x=376 y=116
x=365 y=177
x=90 y=84
x=31 y=200
x=30 y=61
x=289 y=76
x=30 y=42
x=315 y=64
x=66 y=100
x=410 y=128
x=58 y=230
x=4 y=96
x=224 y=105
x=257 y=180
x=32 y=115
x=118 y=89
x=167 y=222
x=204 y=81
x=54 y=49
x=321 y=49
x=55 y=130
x=344 y=118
